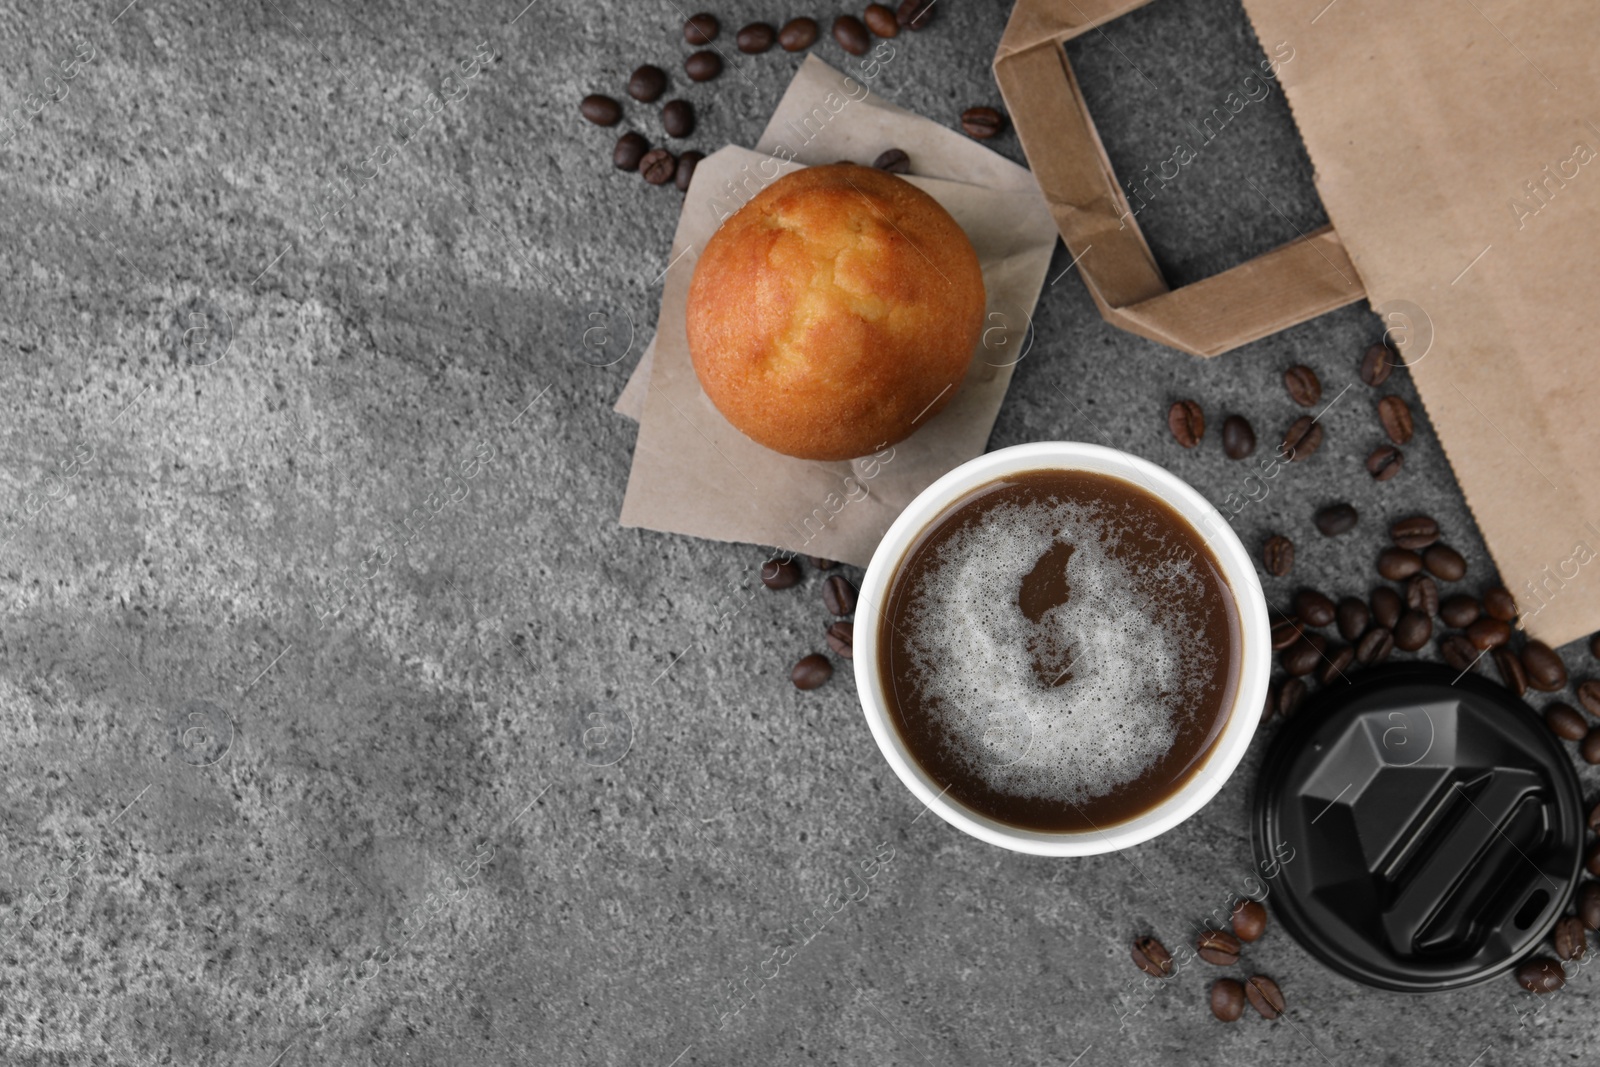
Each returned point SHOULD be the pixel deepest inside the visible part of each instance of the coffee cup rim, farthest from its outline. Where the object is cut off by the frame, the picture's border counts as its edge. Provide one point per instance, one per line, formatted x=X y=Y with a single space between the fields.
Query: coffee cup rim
x=1238 y=569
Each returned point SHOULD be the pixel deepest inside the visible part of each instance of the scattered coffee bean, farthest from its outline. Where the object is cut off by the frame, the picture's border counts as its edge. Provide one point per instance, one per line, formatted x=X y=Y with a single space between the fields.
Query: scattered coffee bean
x=1510 y=667
x=1498 y=603
x=1249 y=919
x=1386 y=606
x=1152 y=957
x=600 y=110
x=1444 y=563
x=1589 y=749
x=1352 y=616
x=1269 y=706
x=798 y=34
x=1398 y=564
x=1592 y=860
x=1546 y=672
x=1335 y=662
x=1422 y=594
x=1589 y=905
x=894 y=161
x=677 y=118
x=647 y=84
x=1417 y=532
x=1277 y=555
x=1594 y=644
x=702 y=66
x=1488 y=633
x=841 y=638
x=1565 y=722
x=915 y=14
x=658 y=166
x=1570 y=940
x=1304 y=387
x=701 y=29
x=1302 y=439
x=1336 y=519
x=1594 y=819
x=1460 y=611
x=686 y=164
x=631 y=148
x=1542 y=975
x=1376 y=365
x=1395 y=415
x=852 y=35
x=1227 y=1000
x=1290 y=696
x=1302 y=657
x=1312 y=608
x=1457 y=651
x=1238 y=437
x=1218 y=947
x=1265 y=996
x=1384 y=462
x=811 y=671
x=1376 y=645
x=982 y=123
x=755 y=38
x=1589 y=697
x=822 y=564
x=881 y=21
x=780 y=573
x=1187 y=422
x=1285 y=632
x=1412 y=631
x=838 y=595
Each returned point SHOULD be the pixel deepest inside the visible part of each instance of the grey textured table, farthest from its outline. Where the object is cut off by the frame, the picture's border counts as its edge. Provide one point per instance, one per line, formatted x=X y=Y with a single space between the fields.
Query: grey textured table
x=512 y=804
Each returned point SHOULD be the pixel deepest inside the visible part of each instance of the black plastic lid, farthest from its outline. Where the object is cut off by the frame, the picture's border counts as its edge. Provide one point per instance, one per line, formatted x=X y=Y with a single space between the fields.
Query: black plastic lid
x=1427 y=829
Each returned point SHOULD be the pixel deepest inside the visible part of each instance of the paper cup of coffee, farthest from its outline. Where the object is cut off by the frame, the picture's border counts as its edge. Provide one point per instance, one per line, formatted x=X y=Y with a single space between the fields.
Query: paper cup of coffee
x=1062 y=649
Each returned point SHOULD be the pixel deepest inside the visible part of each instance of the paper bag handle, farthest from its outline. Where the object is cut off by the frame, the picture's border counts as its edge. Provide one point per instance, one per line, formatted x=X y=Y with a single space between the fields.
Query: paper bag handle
x=1307 y=277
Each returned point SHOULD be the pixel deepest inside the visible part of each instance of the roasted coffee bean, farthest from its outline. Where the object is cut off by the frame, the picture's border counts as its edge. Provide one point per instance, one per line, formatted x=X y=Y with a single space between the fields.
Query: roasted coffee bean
x=1422 y=594
x=1218 y=947
x=1594 y=819
x=838 y=595
x=1510 y=667
x=1291 y=694
x=1589 y=749
x=686 y=164
x=1238 y=437
x=1460 y=611
x=1302 y=657
x=1546 y=672
x=1304 y=387
x=1444 y=563
x=1457 y=651
x=1412 y=631
x=982 y=123
x=780 y=573
x=822 y=564
x=1565 y=722
x=811 y=671
x=1187 y=422
x=915 y=14
x=1592 y=860
x=600 y=110
x=1312 y=608
x=1542 y=975
x=1589 y=697
x=1352 y=616
x=647 y=84
x=1227 y=1000
x=1335 y=662
x=702 y=66
x=701 y=29
x=1285 y=632
x=1152 y=957
x=798 y=34
x=1376 y=365
x=881 y=21
x=1387 y=605
x=841 y=638
x=1488 y=633
x=1397 y=564
x=1249 y=919
x=1589 y=905
x=677 y=118
x=631 y=148
x=755 y=38
x=1265 y=996
x=894 y=161
x=1277 y=555
x=1594 y=645
x=852 y=35
x=1302 y=439
x=1269 y=706
x=1498 y=603
x=1569 y=938
x=1336 y=519
x=1384 y=462
x=1376 y=645
x=658 y=166
x=1417 y=532
x=1395 y=415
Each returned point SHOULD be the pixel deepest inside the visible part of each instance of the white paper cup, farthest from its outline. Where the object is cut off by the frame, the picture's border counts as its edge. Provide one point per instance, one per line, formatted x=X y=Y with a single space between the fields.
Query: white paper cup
x=1255 y=662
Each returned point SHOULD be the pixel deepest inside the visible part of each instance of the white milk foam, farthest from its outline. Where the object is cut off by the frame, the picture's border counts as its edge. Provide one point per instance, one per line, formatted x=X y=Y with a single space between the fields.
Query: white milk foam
x=1139 y=659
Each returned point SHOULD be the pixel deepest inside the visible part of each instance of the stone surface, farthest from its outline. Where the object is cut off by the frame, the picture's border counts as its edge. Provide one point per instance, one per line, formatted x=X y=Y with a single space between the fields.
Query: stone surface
x=343 y=724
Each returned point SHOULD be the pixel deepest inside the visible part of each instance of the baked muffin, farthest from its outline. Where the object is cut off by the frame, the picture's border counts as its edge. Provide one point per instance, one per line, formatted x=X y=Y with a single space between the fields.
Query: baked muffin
x=835 y=313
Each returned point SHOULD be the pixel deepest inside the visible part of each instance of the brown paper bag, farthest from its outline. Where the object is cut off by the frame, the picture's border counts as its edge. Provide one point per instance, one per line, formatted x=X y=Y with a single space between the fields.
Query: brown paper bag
x=1456 y=154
